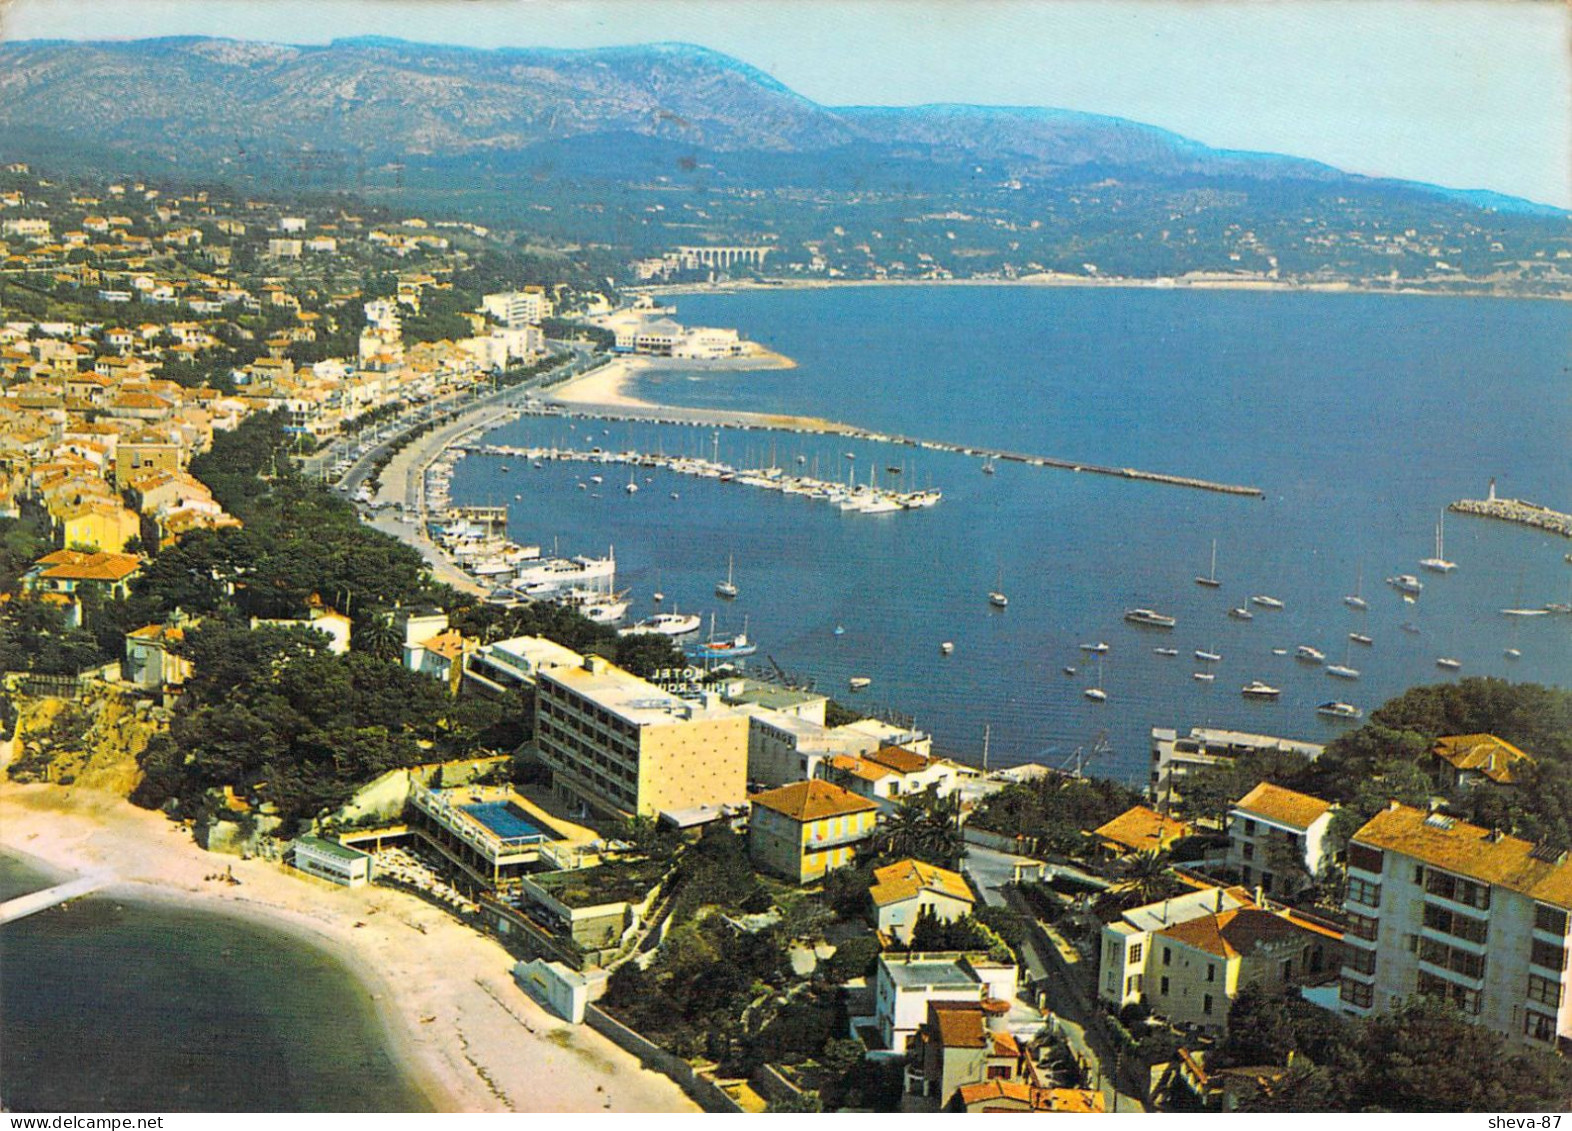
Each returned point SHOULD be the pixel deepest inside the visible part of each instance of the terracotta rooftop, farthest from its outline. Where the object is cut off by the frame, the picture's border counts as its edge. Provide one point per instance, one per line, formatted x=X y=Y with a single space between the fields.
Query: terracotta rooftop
x=860 y=768
x=74 y=565
x=1495 y=758
x=1283 y=806
x=1140 y=829
x=900 y=759
x=812 y=800
x=1232 y=934
x=905 y=878
x=958 y=1024
x=1470 y=851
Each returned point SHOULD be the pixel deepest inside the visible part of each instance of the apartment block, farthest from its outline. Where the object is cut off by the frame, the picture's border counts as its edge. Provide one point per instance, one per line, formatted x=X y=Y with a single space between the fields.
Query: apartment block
x=1277 y=838
x=619 y=746
x=1175 y=757
x=1440 y=907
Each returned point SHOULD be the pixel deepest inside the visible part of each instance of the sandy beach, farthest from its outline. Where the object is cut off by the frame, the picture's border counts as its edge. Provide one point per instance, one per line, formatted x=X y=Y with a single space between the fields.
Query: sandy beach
x=460 y=1027
x=604 y=392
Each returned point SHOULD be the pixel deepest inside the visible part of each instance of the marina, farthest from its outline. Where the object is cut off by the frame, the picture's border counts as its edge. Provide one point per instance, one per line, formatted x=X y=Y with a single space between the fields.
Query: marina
x=849 y=497
x=1069 y=554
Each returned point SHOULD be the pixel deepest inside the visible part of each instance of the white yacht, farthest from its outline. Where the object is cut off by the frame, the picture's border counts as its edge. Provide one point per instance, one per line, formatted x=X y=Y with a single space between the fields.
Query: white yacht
x=1203 y=677
x=998 y=600
x=1406 y=583
x=1149 y=618
x=728 y=588
x=1337 y=710
x=858 y=682
x=664 y=624
x=1239 y=612
x=1361 y=638
x=1356 y=599
x=1255 y=689
x=1209 y=657
x=1100 y=646
x=1210 y=580
x=1306 y=652
x=1266 y=602
x=946 y=648
x=1439 y=564
x=1449 y=663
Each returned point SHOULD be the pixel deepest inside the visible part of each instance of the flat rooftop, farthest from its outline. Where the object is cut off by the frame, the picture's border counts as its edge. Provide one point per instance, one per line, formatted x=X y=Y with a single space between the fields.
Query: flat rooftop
x=937 y=973
x=771 y=696
x=330 y=848
x=630 y=698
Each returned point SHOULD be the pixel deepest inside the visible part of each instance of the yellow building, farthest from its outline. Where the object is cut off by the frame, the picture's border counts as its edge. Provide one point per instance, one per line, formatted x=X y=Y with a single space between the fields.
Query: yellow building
x=99 y=526
x=618 y=745
x=803 y=830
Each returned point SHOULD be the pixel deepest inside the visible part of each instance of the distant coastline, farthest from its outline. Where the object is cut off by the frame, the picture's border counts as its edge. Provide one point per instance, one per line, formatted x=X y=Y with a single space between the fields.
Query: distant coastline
x=1267 y=286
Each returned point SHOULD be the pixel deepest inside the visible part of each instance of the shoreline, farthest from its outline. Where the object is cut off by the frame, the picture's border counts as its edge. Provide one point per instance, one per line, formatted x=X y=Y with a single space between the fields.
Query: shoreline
x=605 y=390
x=1265 y=286
x=456 y=1024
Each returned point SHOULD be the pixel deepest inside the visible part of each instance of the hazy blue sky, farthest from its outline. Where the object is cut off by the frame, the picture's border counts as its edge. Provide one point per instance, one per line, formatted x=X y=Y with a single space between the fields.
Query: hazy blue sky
x=1467 y=93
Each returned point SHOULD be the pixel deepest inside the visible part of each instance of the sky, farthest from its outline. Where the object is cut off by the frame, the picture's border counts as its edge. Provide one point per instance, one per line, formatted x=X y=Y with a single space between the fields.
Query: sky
x=1463 y=93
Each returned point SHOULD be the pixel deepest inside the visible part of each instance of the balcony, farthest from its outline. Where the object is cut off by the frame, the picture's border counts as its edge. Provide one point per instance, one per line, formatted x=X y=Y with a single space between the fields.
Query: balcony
x=835 y=840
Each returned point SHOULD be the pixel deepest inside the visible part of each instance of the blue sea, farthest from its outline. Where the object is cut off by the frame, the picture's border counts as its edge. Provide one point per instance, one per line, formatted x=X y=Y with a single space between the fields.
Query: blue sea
x=1359 y=416
x=108 y=1005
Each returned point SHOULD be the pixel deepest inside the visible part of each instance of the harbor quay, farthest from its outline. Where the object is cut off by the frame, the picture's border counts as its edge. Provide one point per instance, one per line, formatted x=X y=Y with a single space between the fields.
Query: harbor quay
x=807 y=425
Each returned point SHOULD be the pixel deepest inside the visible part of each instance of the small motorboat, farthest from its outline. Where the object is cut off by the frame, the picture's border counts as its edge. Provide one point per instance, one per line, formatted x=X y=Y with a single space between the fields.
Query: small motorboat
x=858 y=682
x=946 y=648
x=1336 y=710
x=1255 y=689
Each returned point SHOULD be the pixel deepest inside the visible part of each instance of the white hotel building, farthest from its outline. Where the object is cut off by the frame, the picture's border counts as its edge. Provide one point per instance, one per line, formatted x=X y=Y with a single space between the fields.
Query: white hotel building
x=1440 y=907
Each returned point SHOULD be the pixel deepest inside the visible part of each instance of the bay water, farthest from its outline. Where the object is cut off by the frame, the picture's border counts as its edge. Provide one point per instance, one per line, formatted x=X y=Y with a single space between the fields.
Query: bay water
x=1359 y=416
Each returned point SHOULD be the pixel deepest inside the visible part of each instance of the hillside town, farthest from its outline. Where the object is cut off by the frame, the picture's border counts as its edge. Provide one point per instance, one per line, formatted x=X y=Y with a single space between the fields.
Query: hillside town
x=778 y=902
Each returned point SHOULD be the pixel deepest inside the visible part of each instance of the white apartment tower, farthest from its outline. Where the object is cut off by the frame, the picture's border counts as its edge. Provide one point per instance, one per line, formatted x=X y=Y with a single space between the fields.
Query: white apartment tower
x=1444 y=908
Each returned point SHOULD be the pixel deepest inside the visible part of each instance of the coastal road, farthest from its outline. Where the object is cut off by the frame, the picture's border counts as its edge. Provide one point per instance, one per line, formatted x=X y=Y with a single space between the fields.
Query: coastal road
x=990 y=871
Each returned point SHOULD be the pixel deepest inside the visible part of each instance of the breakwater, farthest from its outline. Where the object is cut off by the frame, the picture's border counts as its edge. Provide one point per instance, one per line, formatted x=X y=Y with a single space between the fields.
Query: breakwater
x=1518 y=511
x=802 y=425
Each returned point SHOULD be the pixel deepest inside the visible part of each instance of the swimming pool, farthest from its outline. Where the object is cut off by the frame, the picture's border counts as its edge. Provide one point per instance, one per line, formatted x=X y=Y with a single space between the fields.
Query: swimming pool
x=508 y=821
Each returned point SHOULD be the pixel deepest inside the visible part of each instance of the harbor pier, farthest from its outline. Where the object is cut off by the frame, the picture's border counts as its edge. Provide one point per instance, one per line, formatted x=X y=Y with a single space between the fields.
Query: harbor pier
x=34 y=902
x=808 y=425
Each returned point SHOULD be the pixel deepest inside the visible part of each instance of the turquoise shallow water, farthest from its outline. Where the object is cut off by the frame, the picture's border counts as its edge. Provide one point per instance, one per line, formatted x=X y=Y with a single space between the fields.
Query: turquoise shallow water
x=109 y=1006
x=1359 y=416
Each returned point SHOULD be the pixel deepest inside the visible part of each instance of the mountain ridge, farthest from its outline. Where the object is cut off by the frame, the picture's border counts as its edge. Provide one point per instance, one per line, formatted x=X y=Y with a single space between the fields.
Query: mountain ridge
x=386 y=97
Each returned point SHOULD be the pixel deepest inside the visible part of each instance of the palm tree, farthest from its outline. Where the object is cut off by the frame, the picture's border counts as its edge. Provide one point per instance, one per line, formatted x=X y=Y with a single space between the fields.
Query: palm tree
x=378 y=636
x=1146 y=879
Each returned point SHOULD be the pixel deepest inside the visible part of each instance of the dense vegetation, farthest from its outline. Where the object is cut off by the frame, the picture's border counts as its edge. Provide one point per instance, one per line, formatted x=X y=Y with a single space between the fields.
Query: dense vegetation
x=1054 y=809
x=271 y=711
x=1389 y=757
x=1424 y=1056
